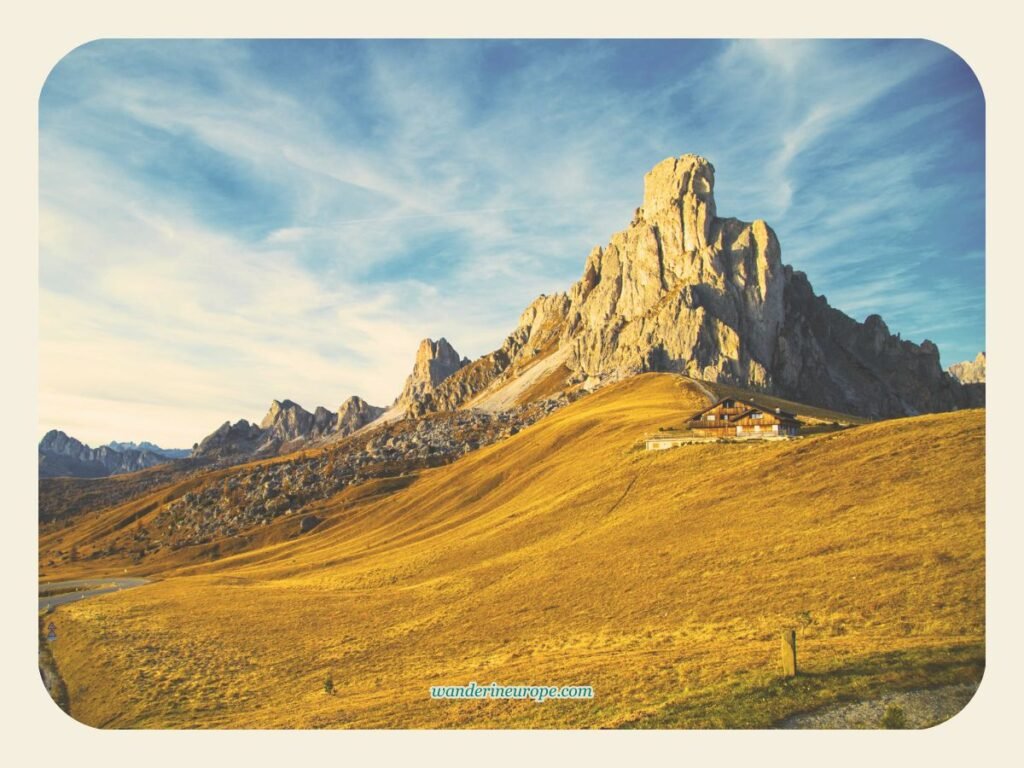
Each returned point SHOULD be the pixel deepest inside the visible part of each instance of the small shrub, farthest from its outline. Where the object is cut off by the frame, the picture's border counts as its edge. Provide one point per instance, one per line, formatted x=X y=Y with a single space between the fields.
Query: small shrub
x=329 y=685
x=894 y=718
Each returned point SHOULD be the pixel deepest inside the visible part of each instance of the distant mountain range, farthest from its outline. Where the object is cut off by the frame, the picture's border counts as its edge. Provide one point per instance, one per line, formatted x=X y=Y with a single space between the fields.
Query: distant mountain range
x=170 y=453
x=64 y=456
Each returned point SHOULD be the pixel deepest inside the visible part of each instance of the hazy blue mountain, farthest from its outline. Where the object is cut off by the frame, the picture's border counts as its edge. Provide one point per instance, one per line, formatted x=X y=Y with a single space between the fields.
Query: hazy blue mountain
x=64 y=456
x=145 y=445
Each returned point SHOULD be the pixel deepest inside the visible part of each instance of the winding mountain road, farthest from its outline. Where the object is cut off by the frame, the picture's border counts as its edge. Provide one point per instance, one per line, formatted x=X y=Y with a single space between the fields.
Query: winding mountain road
x=79 y=589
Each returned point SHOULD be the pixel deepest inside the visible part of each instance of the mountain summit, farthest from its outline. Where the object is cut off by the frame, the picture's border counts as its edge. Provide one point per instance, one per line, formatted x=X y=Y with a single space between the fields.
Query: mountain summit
x=435 y=362
x=684 y=290
x=969 y=371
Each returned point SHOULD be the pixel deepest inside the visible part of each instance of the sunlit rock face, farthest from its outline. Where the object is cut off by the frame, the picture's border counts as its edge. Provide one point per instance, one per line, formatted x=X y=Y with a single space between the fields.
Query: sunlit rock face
x=682 y=289
x=969 y=371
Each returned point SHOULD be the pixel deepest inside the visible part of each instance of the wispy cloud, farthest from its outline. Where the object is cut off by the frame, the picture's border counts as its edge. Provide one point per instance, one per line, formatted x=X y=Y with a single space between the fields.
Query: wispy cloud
x=227 y=222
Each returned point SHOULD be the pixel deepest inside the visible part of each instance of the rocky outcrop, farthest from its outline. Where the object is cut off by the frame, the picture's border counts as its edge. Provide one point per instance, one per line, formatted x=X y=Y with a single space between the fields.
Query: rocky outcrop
x=435 y=362
x=682 y=289
x=286 y=425
x=969 y=371
x=354 y=414
x=228 y=440
x=286 y=421
x=308 y=523
x=538 y=334
x=64 y=456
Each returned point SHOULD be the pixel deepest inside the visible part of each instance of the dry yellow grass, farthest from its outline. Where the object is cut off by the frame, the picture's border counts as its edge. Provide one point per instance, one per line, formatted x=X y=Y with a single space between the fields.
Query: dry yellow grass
x=566 y=555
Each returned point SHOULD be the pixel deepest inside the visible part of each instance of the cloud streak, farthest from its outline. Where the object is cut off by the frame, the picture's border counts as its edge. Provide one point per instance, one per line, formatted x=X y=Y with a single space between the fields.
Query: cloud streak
x=224 y=222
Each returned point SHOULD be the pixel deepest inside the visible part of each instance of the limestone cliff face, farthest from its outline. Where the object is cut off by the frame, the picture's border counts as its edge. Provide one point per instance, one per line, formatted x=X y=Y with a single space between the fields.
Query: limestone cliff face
x=286 y=421
x=969 y=371
x=238 y=439
x=435 y=362
x=681 y=289
x=355 y=413
x=285 y=425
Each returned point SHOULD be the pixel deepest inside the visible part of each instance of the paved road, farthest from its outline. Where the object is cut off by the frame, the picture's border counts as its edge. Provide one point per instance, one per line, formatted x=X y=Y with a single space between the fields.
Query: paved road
x=86 y=588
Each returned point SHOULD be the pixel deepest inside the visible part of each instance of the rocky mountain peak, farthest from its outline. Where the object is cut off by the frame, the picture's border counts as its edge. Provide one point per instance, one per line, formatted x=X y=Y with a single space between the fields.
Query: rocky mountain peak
x=435 y=362
x=681 y=189
x=969 y=371
x=279 y=407
x=356 y=413
x=56 y=441
x=682 y=289
x=287 y=421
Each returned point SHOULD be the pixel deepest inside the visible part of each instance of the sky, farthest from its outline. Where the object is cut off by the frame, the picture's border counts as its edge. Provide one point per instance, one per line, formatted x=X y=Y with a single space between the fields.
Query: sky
x=226 y=222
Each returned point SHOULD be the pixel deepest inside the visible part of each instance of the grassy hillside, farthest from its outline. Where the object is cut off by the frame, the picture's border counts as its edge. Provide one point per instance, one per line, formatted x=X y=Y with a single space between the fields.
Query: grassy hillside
x=566 y=555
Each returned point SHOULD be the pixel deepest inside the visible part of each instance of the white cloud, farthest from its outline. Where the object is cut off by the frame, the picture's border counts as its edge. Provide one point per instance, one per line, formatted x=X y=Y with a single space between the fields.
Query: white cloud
x=439 y=218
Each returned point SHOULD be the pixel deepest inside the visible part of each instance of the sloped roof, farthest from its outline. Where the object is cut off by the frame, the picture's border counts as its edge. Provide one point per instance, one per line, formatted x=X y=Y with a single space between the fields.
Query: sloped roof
x=752 y=407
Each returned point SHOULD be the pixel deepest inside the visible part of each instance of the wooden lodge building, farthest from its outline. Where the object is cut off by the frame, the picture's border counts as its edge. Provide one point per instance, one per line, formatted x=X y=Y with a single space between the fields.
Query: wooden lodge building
x=731 y=417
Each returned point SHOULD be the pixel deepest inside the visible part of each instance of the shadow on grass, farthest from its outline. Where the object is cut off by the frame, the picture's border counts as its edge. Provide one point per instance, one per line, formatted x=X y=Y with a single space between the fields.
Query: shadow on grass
x=766 y=699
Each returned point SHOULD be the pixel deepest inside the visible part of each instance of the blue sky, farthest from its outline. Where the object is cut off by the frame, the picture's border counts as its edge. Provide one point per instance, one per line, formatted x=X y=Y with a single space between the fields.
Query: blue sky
x=227 y=222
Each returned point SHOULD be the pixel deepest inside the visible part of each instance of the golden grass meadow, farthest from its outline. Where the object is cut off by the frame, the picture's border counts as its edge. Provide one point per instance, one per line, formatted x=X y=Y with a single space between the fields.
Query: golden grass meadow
x=563 y=555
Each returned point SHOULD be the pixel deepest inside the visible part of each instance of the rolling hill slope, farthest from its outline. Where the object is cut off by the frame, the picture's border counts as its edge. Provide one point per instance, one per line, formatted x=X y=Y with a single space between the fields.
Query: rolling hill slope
x=567 y=555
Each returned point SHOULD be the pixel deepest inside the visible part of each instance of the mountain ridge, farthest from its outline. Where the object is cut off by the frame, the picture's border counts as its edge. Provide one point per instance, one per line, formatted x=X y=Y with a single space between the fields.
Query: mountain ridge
x=145 y=445
x=681 y=290
x=684 y=290
x=63 y=456
x=285 y=424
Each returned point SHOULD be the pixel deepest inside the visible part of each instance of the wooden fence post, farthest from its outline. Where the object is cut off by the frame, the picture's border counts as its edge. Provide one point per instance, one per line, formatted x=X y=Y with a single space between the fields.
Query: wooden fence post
x=789 y=652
